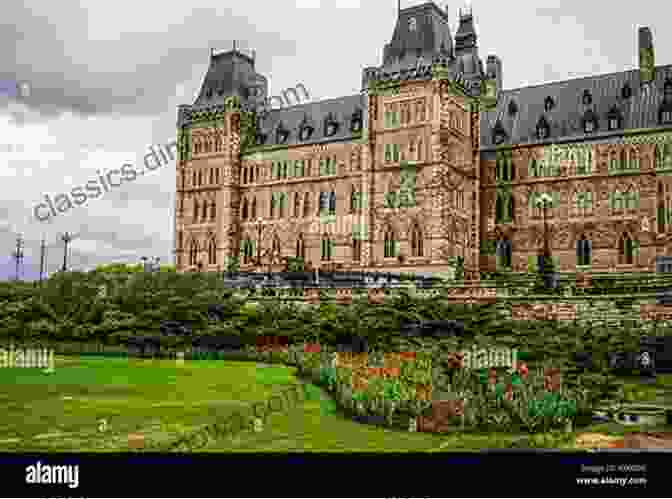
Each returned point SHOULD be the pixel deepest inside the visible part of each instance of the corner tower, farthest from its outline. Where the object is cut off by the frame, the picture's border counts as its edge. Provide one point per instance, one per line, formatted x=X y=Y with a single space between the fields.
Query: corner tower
x=211 y=134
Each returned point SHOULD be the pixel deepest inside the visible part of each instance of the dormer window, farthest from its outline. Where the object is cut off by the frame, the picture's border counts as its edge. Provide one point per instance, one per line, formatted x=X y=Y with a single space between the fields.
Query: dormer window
x=549 y=103
x=306 y=132
x=282 y=135
x=356 y=122
x=614 y=119
x=412 y=24
x=667 y=90
x=665 y=113
x=587 y=98
x=498 y=133
x=330 y=126
x=626 y=91
x=589 y=122
x=543 y=129
x=513 y=108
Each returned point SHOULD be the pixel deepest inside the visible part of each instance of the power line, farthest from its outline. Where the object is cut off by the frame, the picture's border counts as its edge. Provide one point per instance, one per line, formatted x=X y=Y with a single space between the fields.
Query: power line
x=18 y=254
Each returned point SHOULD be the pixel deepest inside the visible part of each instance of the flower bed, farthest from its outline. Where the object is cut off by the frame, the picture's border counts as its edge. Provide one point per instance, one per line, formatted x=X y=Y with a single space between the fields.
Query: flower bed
x=403 y=392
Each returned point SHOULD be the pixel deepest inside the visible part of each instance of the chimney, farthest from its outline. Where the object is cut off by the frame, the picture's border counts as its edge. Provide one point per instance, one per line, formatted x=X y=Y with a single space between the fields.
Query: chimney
x=647 y=64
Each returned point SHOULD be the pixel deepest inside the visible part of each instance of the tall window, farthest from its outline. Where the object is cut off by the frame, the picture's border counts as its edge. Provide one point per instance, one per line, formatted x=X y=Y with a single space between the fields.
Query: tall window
x=212 y=252
x=626 y=249
x=504 y=207
x=282 y=202
x=193 y=253
x=213 y=211
x=583 y=251
x=356 y=247
x=297 y=205
x=504 y=167
x=323 y=205
x=582 y=203
x=664 y=207
x=306 y=204
x=271 y=211
x=354 y=200
x=245 y=212
x=663 y=155
x=533 y=170
x=390 y=249
x=327 y=248
x=248 y=251
x=332 y=203
x=195 y=210
x=300 y=247
x=204 y=214
x=416 y=242
x=253 y=211
x=275 y=248
x=504 y=253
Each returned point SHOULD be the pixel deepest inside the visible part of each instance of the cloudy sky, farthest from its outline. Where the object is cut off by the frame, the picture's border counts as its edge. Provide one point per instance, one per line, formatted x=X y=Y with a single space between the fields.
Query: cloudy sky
x=105 y=80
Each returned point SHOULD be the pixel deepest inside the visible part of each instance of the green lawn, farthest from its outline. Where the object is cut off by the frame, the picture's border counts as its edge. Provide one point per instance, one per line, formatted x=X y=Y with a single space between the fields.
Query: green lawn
x=62 y=411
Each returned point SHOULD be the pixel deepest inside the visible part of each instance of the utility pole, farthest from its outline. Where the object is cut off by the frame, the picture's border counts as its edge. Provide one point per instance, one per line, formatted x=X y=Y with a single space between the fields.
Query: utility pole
x=18 y=254
x=67 y=239
x=42 y=256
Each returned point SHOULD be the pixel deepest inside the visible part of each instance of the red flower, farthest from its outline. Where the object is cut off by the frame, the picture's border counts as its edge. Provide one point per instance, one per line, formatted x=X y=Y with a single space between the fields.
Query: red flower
x=407 y=355
x=492 y=376
x=312 y=348
x=523 y=370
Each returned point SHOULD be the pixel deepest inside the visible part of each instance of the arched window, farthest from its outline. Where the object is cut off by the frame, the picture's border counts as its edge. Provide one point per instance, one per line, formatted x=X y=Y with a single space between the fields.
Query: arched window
x=661 y=215
x=626 y=249
x=248 y=251
x=583 y=251
x=275 y=248
x=196 y=213
x=245 y=210
x=327 y=247
x=416 y=242
x=356 y=247
x=213 y=210
x=300 y=247
x=200 y=177
x=504 y=253
x=212 y=252
x=193 y=253
x=193 y=179
x=630 y=198
x=306 y=204
x=390 y=244
x=499 y=209
x=332 y=203
x=282 y=201
x=204 y=215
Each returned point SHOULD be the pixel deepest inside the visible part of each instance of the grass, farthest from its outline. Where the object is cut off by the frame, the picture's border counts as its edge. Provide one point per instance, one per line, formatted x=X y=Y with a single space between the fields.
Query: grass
x=63 y=411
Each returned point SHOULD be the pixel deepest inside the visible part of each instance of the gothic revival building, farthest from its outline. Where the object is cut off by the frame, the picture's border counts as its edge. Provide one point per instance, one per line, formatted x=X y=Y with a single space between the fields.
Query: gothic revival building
x=432 y=161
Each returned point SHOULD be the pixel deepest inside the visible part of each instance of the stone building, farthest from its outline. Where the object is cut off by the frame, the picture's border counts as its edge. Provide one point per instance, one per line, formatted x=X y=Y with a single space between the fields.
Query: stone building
x=433 y=160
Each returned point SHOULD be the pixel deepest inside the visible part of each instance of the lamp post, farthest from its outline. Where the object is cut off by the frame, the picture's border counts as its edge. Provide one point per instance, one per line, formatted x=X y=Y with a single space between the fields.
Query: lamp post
x=544 y=201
